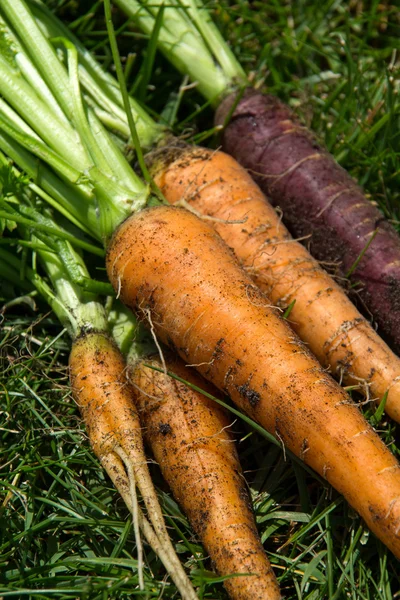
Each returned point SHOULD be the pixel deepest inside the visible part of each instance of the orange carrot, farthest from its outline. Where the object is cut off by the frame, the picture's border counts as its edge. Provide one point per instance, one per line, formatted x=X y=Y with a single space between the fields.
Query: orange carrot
x=179 y=275
x=188 y=435
x=105 y=398
x=214 y=184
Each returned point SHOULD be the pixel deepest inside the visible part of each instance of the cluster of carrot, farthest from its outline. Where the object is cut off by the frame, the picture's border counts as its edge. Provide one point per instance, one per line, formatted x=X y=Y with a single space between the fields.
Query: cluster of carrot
x=205 y=274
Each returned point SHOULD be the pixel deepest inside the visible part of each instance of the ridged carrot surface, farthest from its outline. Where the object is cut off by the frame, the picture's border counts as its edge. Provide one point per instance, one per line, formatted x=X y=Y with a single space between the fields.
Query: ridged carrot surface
x=178 y=274
x=214 y=184
x=189 y=437
x=99 y=385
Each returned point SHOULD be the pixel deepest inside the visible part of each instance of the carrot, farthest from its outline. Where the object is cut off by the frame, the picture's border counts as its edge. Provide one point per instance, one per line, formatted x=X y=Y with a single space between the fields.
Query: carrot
x=180 y=276
x=188 y=435
x=214 y=184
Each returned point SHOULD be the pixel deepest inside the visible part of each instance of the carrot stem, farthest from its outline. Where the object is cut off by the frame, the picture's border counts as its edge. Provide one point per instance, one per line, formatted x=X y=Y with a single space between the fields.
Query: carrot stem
x=190 y=40
x=104 y=94
x=124 y=92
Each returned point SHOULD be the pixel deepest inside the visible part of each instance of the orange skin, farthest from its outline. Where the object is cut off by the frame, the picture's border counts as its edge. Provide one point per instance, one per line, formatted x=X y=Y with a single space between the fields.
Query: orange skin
x=188 y=435
x=214 y=184
x=177 y=273
x=100 y=388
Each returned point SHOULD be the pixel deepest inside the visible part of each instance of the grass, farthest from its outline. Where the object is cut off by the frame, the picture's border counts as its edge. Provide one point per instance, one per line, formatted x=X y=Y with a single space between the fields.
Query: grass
x=64 y=531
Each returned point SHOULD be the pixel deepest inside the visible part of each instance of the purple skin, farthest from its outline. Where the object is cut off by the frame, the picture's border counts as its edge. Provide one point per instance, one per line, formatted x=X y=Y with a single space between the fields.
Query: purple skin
x=318 y=198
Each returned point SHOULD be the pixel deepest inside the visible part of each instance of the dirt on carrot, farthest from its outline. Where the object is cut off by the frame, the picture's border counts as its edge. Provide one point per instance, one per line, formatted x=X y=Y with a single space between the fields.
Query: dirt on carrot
x=215 y=185
x=190 y=439
x=318 y=199
x=179 y=276
x=100 y=388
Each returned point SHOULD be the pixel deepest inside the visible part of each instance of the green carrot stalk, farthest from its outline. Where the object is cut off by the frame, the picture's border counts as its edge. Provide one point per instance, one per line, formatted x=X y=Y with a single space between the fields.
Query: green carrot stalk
x=101 y=89
x=97 y=168
x=192 y=43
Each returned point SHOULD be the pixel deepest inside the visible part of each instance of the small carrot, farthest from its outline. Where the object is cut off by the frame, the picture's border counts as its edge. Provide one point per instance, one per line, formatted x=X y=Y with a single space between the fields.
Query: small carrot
x=105 y=398
x=178 y=274
x=188 y=435
x=215 y=185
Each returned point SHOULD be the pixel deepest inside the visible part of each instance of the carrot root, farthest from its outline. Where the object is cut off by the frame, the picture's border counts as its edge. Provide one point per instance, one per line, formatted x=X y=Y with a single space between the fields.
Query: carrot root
x=189 y=437
x=117 y=473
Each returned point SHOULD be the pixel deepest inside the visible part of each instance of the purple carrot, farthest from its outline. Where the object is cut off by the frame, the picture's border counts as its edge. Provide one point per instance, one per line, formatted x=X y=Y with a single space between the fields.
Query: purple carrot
x=318 y=199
